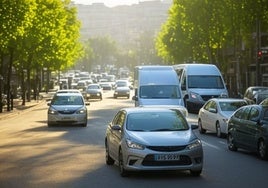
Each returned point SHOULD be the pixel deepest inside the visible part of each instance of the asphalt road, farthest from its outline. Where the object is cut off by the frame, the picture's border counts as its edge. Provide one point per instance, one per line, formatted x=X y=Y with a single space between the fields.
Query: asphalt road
x=34 y=155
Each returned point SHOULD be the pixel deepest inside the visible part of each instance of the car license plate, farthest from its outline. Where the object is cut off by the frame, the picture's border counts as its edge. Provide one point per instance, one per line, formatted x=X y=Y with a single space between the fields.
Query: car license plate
x=167 y=157
x=67 y=118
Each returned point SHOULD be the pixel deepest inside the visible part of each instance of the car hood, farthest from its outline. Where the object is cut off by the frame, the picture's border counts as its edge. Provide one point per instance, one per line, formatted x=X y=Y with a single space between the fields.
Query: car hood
x=122 y=89
x=93 y=90
x=210 y=91
x=169 y=101
x=163 y=138
x=66 y=107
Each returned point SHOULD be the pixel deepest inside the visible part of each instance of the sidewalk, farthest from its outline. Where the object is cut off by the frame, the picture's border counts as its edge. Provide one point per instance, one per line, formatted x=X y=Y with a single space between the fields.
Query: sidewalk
x=18 y=108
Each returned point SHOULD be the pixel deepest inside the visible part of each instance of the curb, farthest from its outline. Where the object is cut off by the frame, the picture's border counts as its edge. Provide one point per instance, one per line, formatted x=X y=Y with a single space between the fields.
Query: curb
x=20 y=110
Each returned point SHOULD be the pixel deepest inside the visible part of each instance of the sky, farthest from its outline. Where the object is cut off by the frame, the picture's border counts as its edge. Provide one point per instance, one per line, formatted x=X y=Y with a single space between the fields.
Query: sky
x=109 y=3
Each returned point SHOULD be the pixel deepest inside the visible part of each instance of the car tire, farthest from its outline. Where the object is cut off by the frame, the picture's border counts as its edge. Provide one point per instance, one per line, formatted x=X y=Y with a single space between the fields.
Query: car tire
x=218 y=130
x=84 y=124
x=200 y=128
x=196 y=172
x=123 y=171
x=262 y=150
x=230 y=142
x=108 y=158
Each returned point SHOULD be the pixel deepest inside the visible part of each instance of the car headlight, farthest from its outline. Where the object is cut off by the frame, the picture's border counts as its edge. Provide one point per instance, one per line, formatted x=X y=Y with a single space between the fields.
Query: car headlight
x=52 y=111
x=115 y=92
x=197 y=143
x=81 y=111
x=225 y=120
x=134 y=145
x=195 y=96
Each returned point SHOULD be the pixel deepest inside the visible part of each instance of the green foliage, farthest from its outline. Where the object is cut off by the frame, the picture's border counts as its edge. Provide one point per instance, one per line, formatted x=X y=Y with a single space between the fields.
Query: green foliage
x=201 y=30
x=43 y=33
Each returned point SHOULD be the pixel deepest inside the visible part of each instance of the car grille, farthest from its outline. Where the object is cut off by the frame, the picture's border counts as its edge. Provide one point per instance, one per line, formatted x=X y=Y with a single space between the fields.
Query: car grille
x=166 y=148
x=149 y=161
x=66 y=111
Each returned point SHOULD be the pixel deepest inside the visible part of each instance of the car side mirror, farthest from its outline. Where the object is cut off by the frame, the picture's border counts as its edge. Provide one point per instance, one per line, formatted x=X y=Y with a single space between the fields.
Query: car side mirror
x=116 y=127
x=134 y=98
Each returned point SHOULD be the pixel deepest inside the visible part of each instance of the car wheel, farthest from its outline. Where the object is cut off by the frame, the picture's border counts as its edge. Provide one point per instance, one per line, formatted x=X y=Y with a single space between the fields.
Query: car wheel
x=218 y=130
x=123 y=171
x=196 y=172
x=200 y=128
x=84 y=124
x=262 y=150
x=108 y=159
x=230 y=142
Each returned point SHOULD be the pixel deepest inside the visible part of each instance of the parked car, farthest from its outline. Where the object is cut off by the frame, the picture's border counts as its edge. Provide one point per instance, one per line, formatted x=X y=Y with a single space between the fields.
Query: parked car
x=67 y=109
x=94 y=91
x=255 y=94
x=248 y=129
x=141 y=138
x=213 y=116
x=264 y=102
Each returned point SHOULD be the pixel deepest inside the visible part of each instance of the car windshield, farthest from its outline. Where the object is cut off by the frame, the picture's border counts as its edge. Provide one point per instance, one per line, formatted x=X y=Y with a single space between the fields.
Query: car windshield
x=157 y=121
x=67 y=100
x=93 y=87
x=159 y=91
x=205 y=82
x=231 y=105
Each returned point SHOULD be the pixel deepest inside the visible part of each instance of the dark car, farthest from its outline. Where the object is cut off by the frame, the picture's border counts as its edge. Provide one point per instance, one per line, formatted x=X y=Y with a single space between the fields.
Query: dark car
x=94 y=91
x=248 y=129
x=255 y=94
x=123 y=91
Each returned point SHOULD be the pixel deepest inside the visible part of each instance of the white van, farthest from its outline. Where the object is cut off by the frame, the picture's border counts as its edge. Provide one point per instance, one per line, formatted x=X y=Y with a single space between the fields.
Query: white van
x=200 y=82
x=156 y=85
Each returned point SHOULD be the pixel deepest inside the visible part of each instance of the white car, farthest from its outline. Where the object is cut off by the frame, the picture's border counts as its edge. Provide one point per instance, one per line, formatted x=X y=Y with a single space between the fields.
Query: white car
x=67 y=108
x=214 y=114
x=157 y=138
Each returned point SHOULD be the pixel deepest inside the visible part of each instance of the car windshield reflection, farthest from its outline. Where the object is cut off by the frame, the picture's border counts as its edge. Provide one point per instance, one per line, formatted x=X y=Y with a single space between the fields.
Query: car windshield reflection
x=156 y=121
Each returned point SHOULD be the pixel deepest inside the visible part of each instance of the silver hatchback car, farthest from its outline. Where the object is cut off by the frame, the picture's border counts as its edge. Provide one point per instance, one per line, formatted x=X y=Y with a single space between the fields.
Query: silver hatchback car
x=67 y=109
x=157 y=138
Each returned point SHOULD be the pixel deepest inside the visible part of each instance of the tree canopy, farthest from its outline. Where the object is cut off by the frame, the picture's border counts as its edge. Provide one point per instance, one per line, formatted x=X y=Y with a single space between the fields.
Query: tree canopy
x=201 y=30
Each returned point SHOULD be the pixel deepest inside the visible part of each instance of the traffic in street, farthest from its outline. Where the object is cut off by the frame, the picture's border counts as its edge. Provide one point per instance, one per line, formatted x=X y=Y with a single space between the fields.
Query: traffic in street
x=35 y=155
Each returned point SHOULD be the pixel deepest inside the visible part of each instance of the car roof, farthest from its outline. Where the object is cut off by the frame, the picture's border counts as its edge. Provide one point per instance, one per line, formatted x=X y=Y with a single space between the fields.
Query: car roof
x=141 y=109
x=68 y=91
x=227 y=99
x=69 y=94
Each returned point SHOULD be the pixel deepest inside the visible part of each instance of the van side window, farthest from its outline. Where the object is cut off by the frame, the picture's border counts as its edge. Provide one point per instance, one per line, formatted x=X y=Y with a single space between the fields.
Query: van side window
x=183 y=79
